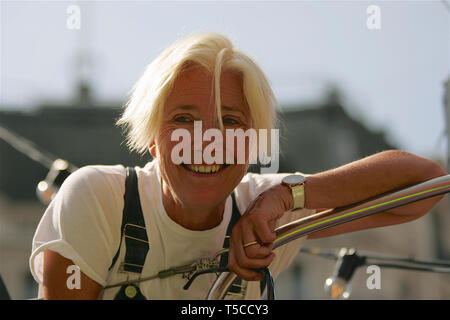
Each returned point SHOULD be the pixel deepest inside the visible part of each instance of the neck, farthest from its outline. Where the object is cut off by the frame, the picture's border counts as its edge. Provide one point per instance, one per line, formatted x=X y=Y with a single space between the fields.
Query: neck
x=192 y=217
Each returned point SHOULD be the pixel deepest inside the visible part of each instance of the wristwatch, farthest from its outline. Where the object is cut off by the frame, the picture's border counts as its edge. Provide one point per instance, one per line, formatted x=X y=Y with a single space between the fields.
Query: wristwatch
x=296 y=182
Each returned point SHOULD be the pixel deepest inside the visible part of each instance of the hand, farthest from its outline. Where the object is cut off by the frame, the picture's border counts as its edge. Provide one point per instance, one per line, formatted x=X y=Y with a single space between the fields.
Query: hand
x=257 y=224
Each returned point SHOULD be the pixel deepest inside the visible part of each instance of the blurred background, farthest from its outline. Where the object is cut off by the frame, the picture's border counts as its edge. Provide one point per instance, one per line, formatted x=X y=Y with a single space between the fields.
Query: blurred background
x=352 y=80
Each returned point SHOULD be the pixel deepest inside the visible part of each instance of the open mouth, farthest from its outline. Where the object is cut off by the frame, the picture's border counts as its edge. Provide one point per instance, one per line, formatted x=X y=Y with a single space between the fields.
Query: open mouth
x=205 y=169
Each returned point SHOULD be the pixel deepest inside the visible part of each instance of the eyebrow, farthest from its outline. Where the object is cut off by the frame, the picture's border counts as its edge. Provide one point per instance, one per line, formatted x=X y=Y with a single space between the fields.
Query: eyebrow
x=228 y=108
x=187 y=107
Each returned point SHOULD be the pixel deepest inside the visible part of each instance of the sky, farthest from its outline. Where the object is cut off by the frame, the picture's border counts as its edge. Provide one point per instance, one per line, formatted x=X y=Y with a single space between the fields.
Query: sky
x=392 y=78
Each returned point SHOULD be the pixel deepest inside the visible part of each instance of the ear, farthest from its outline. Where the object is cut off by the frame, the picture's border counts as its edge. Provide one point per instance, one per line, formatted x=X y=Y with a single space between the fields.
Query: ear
x=152 y=149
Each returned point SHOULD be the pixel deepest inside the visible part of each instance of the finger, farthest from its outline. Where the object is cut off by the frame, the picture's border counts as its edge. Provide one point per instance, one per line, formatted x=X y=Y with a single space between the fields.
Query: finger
x=263 y=232
x=233 y=265
x=255 y=229
x=244 y=273
x=241 y=256
x=253 y=249
x=258 y=251
x=262 y=224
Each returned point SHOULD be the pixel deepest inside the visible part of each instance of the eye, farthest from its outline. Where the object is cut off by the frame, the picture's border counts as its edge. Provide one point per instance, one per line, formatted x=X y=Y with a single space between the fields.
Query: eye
x=228 y=120
x=181 y=119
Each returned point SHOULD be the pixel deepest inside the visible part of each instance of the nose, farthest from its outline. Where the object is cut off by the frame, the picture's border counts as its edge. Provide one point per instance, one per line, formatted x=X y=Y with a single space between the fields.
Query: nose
x=210 y=120
x=206 y=132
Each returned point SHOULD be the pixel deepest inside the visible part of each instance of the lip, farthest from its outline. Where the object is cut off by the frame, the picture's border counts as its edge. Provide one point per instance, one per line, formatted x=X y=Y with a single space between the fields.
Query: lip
x=205 y=175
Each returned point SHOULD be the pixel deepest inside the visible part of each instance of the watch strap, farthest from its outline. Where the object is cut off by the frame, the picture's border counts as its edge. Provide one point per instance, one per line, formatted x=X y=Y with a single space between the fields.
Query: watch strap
x=298 y=193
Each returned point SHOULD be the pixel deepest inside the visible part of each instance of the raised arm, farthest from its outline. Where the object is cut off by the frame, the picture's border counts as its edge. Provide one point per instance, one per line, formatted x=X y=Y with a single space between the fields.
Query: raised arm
x=366 y=178
x=345 y=185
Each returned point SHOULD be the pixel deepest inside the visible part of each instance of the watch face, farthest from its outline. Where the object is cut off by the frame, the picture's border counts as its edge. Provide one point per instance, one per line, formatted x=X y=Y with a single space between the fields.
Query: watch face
x=294 y=179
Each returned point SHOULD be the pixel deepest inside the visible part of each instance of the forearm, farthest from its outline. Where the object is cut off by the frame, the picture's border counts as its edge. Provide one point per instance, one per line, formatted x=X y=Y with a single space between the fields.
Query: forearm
x=365 y=179
x=351 y=184
x=368 y=177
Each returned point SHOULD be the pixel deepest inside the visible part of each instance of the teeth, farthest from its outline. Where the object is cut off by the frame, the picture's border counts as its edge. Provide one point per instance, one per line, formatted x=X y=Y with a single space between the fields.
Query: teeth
x=204 y=169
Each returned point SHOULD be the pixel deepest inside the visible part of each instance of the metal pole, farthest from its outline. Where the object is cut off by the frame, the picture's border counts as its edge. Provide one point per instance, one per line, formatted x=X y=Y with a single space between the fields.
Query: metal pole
x=447 y=112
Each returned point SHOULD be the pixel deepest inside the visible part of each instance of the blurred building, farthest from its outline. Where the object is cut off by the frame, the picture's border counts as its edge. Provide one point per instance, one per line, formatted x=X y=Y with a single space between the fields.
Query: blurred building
x=313 y=138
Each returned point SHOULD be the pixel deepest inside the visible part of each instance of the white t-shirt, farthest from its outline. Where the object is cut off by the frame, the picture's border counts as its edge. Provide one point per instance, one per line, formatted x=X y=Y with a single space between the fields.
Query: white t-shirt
x=83 y=224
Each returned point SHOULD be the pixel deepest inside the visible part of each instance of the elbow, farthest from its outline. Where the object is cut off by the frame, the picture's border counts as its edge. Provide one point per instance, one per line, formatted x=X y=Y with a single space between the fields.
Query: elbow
x=425 y=168
x=431 y=170
x=438 y=170
x=434 y=170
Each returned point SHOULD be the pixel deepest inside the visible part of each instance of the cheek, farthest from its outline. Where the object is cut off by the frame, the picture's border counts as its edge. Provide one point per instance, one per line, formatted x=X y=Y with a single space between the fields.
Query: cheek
x=165 y=144
x=240 y=148
x=164 y=136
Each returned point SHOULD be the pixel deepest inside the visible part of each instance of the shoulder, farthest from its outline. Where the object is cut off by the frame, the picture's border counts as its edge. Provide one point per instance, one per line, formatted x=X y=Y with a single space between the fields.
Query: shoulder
x=90 y=199
x=91 y=189
x=94 y=179
x=94 y=173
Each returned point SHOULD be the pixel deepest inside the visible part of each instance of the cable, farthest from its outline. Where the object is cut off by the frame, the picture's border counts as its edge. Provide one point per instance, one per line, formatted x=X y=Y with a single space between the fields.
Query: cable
x=415 y=268
x=437 y=263
x=59 y=169
x=407 y=263
x=26 y=147
x=30 y=149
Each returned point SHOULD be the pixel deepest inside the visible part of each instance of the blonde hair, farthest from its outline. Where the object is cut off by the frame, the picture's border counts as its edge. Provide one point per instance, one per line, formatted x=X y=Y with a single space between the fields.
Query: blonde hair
x=211 y=51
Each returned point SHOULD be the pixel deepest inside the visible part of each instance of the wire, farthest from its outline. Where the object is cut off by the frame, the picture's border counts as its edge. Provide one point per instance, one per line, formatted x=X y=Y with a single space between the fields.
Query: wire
x=416 y=268
x=29 y=149
x=26 y=147
x=408 y=263
x=438 y=263
x=324 y=253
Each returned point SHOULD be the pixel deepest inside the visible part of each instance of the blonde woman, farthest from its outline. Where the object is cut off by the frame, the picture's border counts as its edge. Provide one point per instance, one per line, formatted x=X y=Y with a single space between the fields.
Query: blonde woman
x=180 y=212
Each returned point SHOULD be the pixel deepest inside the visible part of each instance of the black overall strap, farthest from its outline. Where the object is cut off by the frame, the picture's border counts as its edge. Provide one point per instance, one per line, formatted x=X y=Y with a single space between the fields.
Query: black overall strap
x=235 y=216
x=135 y=235
x=133 y=228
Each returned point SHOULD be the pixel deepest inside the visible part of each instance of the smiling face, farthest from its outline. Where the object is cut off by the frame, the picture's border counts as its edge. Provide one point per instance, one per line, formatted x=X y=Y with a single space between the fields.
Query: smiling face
x=192 y=99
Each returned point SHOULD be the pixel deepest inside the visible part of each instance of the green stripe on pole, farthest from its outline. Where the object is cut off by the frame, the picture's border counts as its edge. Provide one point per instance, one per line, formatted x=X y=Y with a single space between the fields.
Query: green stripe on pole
x=358 y=211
